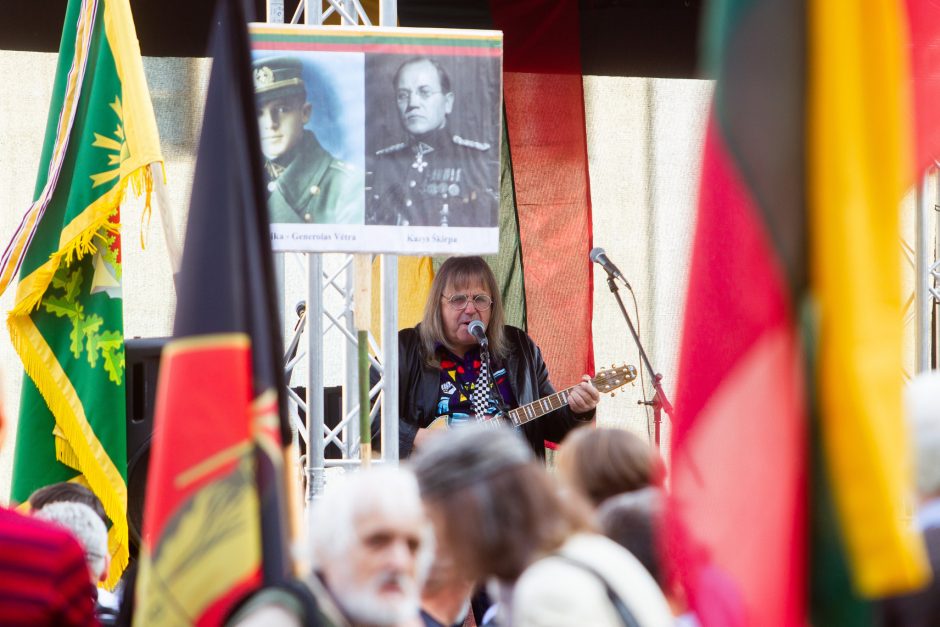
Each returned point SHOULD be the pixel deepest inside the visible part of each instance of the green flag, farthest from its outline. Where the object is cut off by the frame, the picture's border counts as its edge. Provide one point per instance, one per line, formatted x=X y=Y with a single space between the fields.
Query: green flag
x=67 y=322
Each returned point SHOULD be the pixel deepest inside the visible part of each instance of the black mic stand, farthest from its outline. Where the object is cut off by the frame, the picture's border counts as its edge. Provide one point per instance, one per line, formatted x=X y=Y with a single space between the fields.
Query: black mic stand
x=502 y=411
x=659 y=403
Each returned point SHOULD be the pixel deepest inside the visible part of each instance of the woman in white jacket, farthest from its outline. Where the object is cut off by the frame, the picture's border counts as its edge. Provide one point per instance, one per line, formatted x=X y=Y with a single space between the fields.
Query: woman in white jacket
x=502 y=517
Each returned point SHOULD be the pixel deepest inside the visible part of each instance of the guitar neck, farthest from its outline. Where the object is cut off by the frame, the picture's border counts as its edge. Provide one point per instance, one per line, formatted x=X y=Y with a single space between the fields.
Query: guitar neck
x=537 y=409
x=606 y=381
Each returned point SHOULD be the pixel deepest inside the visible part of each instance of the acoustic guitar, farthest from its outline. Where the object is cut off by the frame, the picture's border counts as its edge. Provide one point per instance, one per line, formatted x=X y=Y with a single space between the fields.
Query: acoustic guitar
x=606 y=381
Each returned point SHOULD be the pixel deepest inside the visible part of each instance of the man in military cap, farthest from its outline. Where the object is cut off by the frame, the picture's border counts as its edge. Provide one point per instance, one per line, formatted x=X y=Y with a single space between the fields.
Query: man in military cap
x=434 y=177
x=306 y=184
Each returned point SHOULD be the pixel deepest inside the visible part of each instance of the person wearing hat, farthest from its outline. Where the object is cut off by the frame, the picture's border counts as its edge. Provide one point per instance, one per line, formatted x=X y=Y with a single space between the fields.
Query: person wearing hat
x=434 y=177
x=306 y=184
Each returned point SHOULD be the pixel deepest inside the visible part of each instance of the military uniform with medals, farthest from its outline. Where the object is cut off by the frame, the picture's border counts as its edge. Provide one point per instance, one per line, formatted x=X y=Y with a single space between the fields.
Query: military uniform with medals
x=437 y=179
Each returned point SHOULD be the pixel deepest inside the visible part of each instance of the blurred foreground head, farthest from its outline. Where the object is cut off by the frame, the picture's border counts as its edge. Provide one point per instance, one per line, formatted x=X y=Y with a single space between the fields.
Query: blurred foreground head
x=632 y=520
x=494 y=507
x=66 y=491
x=87 y=527
x=601 y=463
x=372 y=544
x=923 y=409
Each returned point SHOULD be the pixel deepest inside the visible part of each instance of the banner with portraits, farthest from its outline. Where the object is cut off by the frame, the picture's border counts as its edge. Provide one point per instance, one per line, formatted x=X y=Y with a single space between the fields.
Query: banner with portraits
x=383 y=140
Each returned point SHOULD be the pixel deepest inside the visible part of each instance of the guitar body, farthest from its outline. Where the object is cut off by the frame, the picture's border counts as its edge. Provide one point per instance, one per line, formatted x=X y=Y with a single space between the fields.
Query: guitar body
x=605 y=381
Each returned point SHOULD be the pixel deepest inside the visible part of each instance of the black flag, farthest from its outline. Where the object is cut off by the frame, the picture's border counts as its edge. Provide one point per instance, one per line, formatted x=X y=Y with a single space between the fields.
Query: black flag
x=215 y=523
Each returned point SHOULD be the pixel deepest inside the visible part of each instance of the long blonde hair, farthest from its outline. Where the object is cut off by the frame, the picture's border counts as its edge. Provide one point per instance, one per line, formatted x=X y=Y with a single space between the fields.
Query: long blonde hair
x=459 y=273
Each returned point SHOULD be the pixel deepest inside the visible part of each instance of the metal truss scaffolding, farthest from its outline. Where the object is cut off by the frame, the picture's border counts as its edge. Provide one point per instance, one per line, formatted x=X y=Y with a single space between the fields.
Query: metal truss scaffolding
x=927 y=272
x=315 y=319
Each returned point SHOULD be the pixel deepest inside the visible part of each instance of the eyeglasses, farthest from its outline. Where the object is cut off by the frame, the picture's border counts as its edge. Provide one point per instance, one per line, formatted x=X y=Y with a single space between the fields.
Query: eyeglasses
x=404 y=95
x=481 y=302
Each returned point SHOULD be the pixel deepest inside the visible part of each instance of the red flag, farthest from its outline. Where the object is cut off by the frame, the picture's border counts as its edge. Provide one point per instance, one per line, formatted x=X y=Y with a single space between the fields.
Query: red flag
x=924 y=23
x=545 y=119
x=736 y=519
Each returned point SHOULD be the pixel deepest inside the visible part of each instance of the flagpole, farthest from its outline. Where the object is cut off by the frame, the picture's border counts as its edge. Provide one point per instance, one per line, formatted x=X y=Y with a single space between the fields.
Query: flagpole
x=172 y=239
x=924 y=300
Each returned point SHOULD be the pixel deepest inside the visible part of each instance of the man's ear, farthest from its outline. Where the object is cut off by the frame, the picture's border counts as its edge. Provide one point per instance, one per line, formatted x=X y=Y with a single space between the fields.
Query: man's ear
x=306 y=111
x=448 y=102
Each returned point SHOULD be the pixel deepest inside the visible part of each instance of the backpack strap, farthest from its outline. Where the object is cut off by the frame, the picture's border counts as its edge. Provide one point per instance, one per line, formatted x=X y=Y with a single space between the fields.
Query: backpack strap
x=304 y=595
x=620 y=607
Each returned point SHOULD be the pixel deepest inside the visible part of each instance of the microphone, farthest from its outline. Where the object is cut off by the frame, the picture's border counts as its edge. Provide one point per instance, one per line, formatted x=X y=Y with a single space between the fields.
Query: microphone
x=477 y=330
x=599 y=257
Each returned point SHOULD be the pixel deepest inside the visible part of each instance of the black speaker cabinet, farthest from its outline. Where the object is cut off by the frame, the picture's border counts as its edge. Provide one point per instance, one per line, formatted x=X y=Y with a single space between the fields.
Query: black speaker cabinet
x=142 y=358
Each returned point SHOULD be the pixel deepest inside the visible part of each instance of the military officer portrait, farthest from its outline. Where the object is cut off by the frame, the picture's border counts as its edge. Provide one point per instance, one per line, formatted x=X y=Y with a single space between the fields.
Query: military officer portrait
x=306 y=184
x=439 y=162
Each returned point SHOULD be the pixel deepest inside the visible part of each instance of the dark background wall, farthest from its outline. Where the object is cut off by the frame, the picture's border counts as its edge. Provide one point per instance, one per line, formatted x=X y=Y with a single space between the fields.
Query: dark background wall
x=618 y=37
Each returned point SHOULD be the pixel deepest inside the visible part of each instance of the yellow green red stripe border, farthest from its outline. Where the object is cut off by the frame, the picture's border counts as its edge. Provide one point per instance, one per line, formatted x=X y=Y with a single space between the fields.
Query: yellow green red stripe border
x=300 y=38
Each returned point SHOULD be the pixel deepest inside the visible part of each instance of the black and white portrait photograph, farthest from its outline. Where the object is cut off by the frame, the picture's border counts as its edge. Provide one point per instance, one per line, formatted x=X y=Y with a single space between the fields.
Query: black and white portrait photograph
x=380 y=140
x=311 y=123
x=433 y=133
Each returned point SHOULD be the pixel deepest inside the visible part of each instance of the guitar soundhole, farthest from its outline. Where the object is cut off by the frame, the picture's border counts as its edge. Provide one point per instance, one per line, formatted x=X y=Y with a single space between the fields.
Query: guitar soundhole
x=457 y=421
x=460 y=420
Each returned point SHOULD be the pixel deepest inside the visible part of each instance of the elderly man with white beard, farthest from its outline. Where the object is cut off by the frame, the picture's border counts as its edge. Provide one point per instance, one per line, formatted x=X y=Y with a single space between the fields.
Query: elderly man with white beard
x=371 y=547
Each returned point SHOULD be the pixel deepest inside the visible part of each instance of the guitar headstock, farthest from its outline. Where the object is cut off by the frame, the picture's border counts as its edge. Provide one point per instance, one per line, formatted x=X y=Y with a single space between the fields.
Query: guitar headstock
x=613 y=378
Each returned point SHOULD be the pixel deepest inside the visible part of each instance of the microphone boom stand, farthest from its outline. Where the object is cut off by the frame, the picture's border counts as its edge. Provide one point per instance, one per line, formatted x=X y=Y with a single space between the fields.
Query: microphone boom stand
x=659 y=403
x=502 y=411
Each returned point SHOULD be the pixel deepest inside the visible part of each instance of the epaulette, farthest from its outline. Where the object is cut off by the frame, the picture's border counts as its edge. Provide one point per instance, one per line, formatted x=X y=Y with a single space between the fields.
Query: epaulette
x=342 y=166
x=469 y=143
x=391 y=149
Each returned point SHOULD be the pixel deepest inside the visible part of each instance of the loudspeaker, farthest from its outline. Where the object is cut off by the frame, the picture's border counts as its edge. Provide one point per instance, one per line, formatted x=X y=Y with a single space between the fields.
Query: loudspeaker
x=142 y=359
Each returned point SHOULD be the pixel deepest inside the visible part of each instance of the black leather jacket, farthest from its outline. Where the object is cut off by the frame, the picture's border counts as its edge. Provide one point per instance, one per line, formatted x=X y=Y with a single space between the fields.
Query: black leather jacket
x=419 y=385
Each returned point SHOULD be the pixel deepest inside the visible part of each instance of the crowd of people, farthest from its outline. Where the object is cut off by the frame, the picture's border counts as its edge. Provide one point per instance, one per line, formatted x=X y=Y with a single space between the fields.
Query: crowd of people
x=472 y=528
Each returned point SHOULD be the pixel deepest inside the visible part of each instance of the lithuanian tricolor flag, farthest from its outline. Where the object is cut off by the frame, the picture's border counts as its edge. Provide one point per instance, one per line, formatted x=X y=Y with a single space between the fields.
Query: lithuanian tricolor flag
x=789 y=416
x=67 y=323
